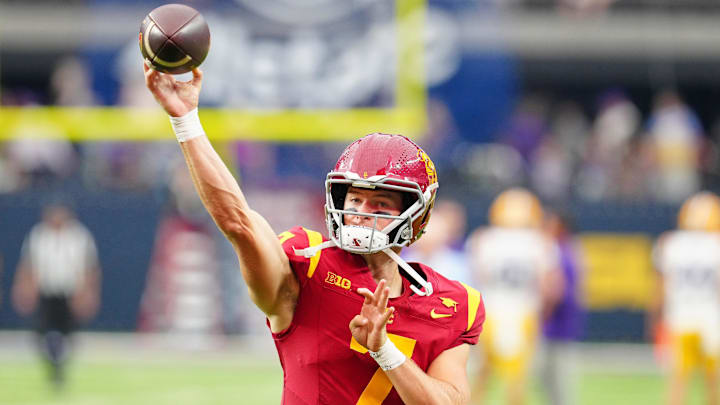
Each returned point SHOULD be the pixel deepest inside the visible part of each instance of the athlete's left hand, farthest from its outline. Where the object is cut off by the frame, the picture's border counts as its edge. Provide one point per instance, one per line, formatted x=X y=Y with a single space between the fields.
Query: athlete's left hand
x=368 y=327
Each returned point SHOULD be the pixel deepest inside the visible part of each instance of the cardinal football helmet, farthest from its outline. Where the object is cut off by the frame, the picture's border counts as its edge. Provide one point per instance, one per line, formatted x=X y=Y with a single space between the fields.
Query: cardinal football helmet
x=382 y=161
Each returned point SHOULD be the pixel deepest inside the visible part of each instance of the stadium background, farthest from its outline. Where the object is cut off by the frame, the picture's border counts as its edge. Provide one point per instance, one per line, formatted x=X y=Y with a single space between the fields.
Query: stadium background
x=513 y=94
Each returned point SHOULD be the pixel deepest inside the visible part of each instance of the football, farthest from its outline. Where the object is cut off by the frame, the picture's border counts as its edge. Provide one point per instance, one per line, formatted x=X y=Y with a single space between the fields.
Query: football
x=175 y=38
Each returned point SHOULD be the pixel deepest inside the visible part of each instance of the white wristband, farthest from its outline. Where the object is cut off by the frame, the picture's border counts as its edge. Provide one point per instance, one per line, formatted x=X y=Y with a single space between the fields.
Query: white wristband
x=389 y=356
x=188 y=126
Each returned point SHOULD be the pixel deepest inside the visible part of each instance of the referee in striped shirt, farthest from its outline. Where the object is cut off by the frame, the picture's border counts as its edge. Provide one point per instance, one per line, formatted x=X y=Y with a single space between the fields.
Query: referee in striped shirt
x=58 y=278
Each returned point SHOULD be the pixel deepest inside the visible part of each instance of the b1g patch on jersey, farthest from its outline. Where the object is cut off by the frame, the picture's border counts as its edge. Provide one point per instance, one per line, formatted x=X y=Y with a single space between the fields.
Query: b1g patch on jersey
x=339 y=281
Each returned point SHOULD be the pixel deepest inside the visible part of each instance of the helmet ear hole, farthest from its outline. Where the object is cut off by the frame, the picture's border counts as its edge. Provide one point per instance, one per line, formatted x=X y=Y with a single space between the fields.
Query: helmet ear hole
x=408 y=199
x=338 y=192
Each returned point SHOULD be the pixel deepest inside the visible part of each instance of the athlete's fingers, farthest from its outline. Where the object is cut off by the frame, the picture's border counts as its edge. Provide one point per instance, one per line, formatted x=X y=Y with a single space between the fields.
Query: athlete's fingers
x=358 y=321
x=147 y=70
x=388 y=313
x=384 y=296
x=379 y=290
x=369 y=296
x=151 y=76
x=380 y=287
x=197 y=77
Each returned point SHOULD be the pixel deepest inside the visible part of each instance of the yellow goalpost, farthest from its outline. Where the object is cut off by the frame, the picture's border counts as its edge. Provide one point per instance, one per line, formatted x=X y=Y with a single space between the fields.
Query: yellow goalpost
x=407 y=116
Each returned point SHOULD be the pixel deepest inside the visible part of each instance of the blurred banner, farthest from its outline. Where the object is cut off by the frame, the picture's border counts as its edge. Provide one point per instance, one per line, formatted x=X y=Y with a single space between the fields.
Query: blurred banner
x=323 y=71
x=619 y=271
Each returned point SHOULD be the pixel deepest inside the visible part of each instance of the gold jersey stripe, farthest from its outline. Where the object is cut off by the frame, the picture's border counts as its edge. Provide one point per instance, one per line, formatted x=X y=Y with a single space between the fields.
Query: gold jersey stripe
x=285 y=236
x=380 y=385
x=314 y=239
x=473 y=304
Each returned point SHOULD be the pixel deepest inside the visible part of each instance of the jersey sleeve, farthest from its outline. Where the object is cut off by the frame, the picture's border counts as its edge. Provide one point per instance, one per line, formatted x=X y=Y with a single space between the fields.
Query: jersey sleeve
x=292 y=242
x=475 y=317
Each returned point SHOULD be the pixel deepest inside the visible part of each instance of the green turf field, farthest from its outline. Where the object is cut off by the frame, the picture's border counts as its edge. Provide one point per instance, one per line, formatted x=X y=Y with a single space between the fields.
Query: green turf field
x=158 y=383
x=191 y=383
x=123 y=376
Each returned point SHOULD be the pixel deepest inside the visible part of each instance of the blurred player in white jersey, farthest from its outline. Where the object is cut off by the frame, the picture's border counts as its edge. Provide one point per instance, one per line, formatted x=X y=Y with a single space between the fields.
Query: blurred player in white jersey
x=517 y=268
x=688 y=260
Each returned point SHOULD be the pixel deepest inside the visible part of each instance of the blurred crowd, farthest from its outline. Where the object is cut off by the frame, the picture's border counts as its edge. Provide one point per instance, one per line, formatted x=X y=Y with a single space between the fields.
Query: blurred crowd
x=614 y=153
x=615 y=147
x=560 y=148
x=599 y=7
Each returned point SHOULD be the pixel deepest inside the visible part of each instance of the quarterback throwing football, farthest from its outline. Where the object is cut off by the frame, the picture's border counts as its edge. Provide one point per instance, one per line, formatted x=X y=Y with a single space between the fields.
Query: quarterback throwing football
x=353 y=323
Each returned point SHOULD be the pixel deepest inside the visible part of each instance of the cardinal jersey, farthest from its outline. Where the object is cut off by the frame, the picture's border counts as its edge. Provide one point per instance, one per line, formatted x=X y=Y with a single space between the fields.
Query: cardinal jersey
x=322 y=364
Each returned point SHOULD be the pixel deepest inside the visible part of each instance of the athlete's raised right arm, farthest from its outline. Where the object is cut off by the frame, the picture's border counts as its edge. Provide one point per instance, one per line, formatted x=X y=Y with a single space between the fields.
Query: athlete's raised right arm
x=264 y=265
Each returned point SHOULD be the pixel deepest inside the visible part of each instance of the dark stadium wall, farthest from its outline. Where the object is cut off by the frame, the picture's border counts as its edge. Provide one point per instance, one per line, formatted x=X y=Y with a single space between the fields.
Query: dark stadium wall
x=124 y=225
x=124 y=228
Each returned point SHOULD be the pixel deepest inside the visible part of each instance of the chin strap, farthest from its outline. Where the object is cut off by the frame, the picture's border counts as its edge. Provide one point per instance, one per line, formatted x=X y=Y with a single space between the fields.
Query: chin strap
x=311 y=251
x=427 y=286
